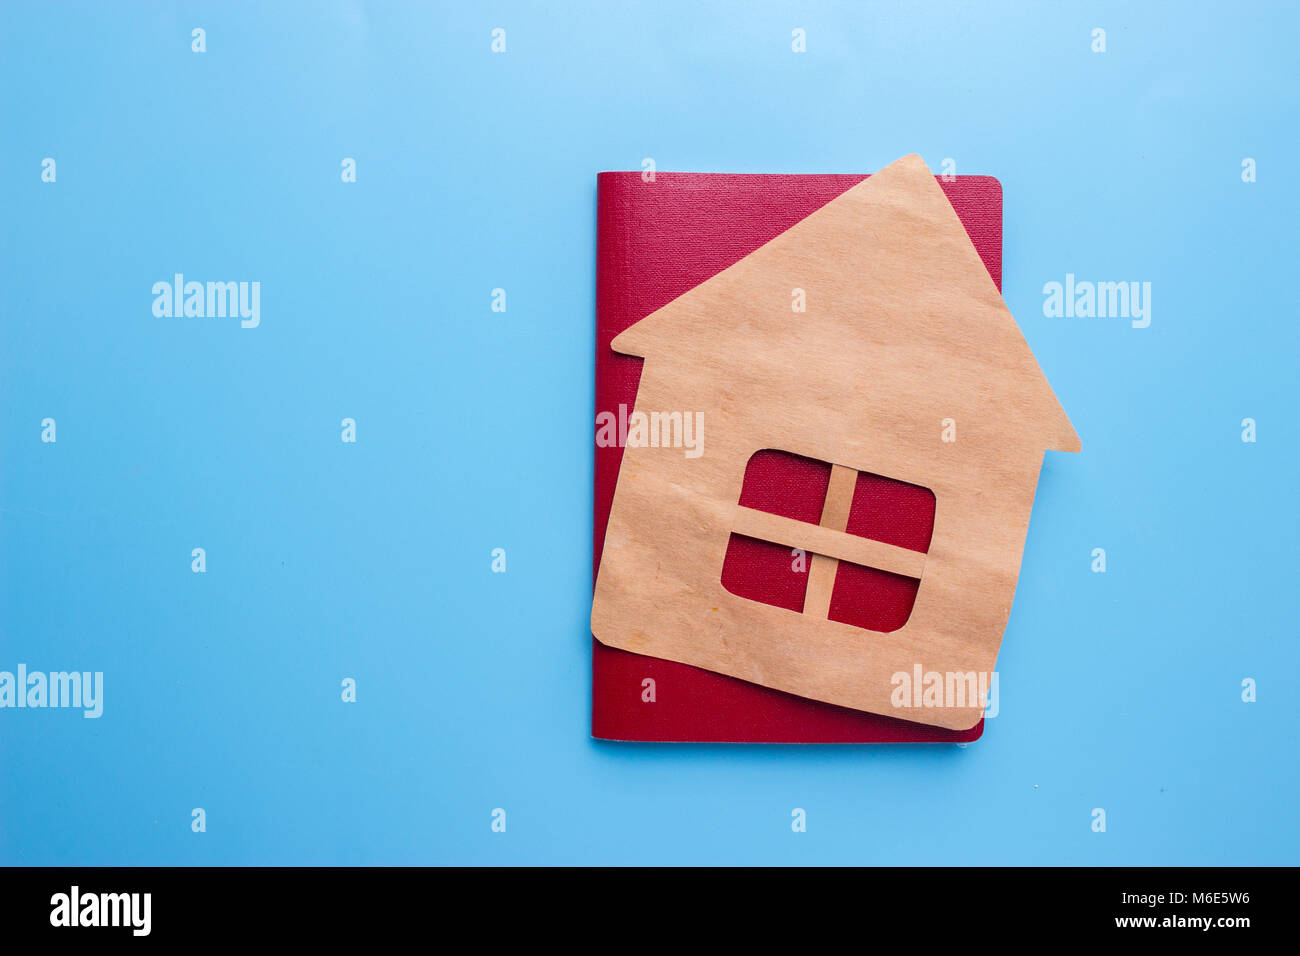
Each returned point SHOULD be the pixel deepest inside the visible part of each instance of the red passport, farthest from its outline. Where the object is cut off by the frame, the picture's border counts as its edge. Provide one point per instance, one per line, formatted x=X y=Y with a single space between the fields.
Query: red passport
x=656 y=240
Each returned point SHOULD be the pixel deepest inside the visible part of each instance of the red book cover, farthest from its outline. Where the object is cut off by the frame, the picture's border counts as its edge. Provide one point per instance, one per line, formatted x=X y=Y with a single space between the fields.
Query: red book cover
x=656 y=240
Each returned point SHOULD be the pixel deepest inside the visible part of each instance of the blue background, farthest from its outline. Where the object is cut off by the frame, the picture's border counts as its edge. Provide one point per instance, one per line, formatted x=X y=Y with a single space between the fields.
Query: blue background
x=329 y=560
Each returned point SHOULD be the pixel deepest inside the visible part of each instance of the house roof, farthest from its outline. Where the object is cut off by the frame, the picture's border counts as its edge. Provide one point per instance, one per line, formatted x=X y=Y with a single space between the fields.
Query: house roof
x=896 y=296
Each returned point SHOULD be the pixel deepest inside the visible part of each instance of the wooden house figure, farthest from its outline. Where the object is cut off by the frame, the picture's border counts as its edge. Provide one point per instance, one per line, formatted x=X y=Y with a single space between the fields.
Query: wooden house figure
x=904 y=366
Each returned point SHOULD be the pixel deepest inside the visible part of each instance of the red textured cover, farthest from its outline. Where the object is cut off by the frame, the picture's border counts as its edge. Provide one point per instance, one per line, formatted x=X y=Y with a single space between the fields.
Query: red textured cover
x=655 y=241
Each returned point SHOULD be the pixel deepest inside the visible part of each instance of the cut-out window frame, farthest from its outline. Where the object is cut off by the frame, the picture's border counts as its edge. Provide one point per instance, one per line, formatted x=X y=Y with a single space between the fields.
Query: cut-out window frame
x=843 y=534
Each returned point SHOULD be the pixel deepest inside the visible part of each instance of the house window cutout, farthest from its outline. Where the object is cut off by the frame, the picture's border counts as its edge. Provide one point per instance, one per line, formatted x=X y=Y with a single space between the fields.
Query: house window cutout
x=864 y=539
